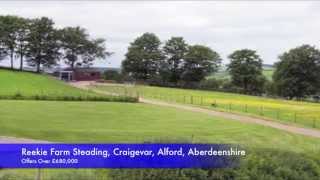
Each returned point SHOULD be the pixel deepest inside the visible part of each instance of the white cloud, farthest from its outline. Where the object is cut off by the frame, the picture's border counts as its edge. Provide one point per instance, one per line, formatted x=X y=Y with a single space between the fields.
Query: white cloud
x=268 y=26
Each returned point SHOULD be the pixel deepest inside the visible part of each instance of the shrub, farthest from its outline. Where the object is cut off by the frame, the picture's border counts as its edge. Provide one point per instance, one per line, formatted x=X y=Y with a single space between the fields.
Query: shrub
x=262 y=164
x=211 y=84
x=72 y=175
x=112 y=75
x=71 y=98
x=229 y=87
x=17 y=95
x=270 y=88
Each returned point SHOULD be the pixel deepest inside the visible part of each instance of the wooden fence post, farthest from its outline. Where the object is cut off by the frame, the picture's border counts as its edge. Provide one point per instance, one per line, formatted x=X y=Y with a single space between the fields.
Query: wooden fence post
x=295 y=117
x=246 y=108
x=191 y=99
x=261 y=110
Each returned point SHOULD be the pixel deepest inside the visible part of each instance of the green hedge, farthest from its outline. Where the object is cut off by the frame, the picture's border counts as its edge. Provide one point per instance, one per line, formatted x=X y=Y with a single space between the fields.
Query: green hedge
x=69 y=98
x=261 y=164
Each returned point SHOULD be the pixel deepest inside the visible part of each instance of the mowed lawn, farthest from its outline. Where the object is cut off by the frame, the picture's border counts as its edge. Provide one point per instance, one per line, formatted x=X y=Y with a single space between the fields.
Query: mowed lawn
x=296 y=112
x=30 y=84
x=108 y=122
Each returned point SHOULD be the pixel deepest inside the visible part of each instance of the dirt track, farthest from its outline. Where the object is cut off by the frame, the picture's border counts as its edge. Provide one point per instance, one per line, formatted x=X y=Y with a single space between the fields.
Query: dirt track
x=226 y=115
x=242 y=118
x=13 y=140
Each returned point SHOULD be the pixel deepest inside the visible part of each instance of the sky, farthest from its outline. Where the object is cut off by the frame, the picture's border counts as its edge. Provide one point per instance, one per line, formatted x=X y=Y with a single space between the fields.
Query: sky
x=269 y=27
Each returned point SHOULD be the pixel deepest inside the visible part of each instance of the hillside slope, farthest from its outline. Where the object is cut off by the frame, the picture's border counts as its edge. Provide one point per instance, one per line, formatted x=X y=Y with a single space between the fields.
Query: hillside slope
x=28 y=84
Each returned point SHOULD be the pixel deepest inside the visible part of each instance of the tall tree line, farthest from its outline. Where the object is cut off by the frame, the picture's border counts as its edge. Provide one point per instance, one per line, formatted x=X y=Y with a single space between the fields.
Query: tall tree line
x=40 y=44
x=297 y=73
x=172 y=63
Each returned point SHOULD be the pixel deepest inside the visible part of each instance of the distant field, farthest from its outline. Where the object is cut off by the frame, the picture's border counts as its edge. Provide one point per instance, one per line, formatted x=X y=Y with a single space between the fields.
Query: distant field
x=302 y=113
x=268 y=73
x=225 y=75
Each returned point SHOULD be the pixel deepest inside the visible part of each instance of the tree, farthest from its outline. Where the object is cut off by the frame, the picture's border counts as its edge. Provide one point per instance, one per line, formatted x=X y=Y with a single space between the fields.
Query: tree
x=43 y=45
x=3 y=52
x=143 y=57
x=10 y=27
x=245 y=69
x=112 y=75
x=297 y=74
x=200 y=61
x=22 y=40
x=95 y=50
x=78 y=49
x=174 y=50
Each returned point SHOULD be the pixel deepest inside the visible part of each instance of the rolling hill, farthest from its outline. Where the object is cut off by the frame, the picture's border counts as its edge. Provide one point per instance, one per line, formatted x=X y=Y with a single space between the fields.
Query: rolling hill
x=30 y=84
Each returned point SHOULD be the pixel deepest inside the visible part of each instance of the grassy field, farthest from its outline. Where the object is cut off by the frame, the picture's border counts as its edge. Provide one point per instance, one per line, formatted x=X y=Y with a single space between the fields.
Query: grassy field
x=29 y=84
x=300 y=113
x=113 y=122
x=127 y=122
x=107 y=122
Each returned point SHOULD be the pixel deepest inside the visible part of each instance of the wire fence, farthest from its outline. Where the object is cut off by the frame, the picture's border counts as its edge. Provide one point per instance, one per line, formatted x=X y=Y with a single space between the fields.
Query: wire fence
x=269 y=113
